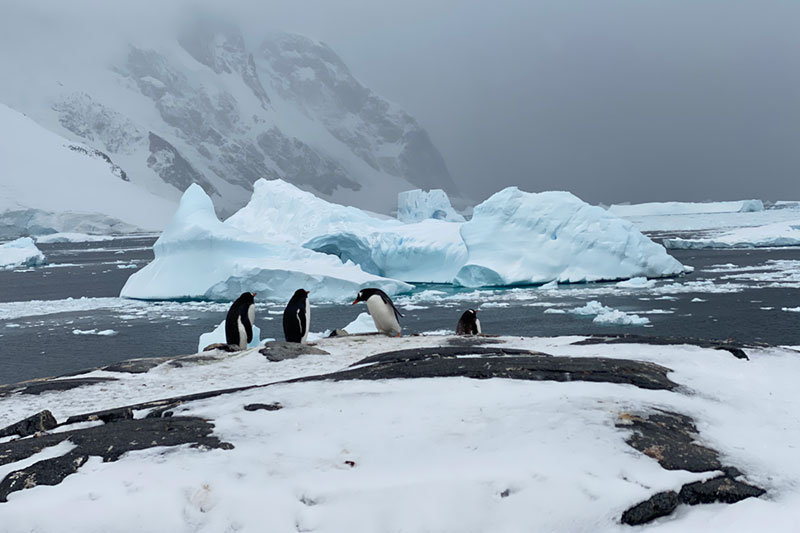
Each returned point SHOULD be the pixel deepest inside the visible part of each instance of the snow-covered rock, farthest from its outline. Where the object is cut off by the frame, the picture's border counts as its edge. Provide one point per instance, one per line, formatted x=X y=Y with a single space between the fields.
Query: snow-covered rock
x=20 y=252
x=776 y=234
x=418 y=205
x=198 y=256
x=685 y=208
x=48 y=184
x=517 y=238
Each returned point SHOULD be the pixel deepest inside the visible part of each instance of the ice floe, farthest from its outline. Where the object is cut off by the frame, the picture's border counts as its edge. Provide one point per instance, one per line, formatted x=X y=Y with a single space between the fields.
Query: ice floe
x=684 y=208
x=20 y=252
x=785 y=233
x=604 y=314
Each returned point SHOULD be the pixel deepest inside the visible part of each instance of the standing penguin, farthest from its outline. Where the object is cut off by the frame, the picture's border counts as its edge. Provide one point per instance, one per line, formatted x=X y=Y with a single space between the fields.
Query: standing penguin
x=239 y=321
x=469 y=324
x=297 y=317
x=382 y=309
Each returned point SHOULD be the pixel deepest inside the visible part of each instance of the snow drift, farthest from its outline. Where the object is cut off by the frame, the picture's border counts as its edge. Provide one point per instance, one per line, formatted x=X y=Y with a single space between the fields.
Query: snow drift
x=517 y=238
x=198 y=256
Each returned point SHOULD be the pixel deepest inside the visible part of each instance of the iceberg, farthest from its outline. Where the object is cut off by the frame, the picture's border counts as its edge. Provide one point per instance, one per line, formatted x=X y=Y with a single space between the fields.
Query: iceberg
x=685 y=208
x=430 y=251
x=768 y=235
x=519 y=238
x=418 y=205
x=199 y=257
x=20 y=253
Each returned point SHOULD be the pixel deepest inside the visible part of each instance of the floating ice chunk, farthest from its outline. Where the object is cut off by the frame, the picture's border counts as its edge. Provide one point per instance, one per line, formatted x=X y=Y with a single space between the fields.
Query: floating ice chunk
x=197 y=256
x=218 y=336
x=607 y=315
x=20 y=252
x=418 y=205
x=776 y=234
x=685 y=208
x=103 y=333
x=636 y=283
x=791 y=309
x=518 y=238
x=72 y=237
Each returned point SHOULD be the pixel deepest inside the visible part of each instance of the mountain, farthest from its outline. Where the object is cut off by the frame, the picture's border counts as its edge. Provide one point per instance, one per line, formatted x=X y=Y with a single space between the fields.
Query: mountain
x=202 y=106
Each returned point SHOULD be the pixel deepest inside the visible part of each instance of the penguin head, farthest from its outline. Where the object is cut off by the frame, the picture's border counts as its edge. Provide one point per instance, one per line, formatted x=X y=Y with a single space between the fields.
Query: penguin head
x=300 y=294
x=247 y=297
x=364 y=294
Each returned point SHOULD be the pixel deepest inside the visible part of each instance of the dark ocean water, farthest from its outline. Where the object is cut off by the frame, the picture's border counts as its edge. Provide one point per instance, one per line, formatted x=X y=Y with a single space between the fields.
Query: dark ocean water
x=39 y=339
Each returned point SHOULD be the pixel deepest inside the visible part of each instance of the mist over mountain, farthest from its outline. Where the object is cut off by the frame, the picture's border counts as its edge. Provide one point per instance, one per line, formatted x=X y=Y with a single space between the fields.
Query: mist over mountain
x=194 y=101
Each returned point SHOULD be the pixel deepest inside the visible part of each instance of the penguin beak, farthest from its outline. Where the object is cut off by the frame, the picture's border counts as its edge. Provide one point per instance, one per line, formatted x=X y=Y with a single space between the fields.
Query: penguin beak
x=355 y=302
x=254 y=294
x=308 y=292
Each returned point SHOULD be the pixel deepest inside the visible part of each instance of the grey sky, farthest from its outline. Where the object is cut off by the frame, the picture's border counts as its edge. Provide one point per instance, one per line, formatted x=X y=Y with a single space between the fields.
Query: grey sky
x=614 y=100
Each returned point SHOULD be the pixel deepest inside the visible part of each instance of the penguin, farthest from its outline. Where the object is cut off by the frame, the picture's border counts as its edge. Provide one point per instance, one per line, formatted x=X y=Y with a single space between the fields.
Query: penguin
x=239 y=321
x=469 y=324
x=382 y=309
x=297 y=317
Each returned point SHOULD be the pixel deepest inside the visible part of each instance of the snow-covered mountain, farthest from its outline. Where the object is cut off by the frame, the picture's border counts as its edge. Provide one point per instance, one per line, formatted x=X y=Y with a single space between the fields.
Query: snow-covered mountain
x=204 y=106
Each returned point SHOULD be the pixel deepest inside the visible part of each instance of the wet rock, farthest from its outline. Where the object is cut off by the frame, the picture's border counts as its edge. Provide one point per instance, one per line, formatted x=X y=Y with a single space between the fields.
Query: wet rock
x=136 y=366
x=41 y=421
x=263 y=406
x=737 y=350
x=222 y=347
x=722 y=489
x=656 y=506
x=280 y=351
x=106 y=416
x=109 y=441
x=39 y=386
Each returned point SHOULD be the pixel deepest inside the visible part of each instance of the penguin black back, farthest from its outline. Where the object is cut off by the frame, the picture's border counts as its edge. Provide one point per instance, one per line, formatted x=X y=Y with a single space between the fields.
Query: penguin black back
x=469 y=324
x=364 y=295
x=297 y=317
x=240 y=314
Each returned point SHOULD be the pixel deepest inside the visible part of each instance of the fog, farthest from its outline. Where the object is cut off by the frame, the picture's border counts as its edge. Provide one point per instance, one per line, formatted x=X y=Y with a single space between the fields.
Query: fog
x=615 y=101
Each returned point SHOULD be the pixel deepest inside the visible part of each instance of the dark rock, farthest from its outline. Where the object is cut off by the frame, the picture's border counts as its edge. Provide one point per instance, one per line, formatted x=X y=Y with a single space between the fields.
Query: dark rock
x=628 y=338
x=222 y=347
x=474 y=340
x=106 y=416
x=658 y=505
x=109 y=441
x=280 y=351
x=180 y=362
x=670 y=439
x=419 y=354
x=163 y=411
x=136 y=366
x=263 y=406
x=338 y=333
x=45 y=385
x=41 y=421
x=535 y=368
x=720 y=489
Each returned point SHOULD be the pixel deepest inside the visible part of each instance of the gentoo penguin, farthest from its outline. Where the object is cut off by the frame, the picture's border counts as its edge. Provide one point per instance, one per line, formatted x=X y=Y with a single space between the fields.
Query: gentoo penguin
x=382 y=309
x=297 y=317
x=239 y=322
x=469 y=324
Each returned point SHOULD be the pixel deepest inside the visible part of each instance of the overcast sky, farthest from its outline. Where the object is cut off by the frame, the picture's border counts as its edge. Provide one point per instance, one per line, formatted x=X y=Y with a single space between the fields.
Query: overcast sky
x=614 y=100
x=636 y=100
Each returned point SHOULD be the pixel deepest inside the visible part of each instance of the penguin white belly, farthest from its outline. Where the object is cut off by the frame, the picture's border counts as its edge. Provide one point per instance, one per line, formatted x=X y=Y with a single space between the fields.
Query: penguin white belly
x=308 y=322
x=242 y=334
x=383 y=315
x=251 y=314
x=478 y=325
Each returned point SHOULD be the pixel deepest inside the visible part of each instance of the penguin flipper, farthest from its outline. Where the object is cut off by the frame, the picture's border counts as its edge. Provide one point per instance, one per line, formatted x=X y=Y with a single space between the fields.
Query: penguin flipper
x=248 y=327
x=301 y=318
x=387 y=300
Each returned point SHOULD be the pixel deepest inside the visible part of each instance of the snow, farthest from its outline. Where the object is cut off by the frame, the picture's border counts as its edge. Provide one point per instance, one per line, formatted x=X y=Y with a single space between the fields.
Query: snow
x=21 y=252
x=606 y=315
x=418 y=205
x=685 y=208
x=217 y=336
x=79 y=186
x=776 y=234
x=517 y=238
x=363 y=323
x=198 y=256
x=464 y=455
